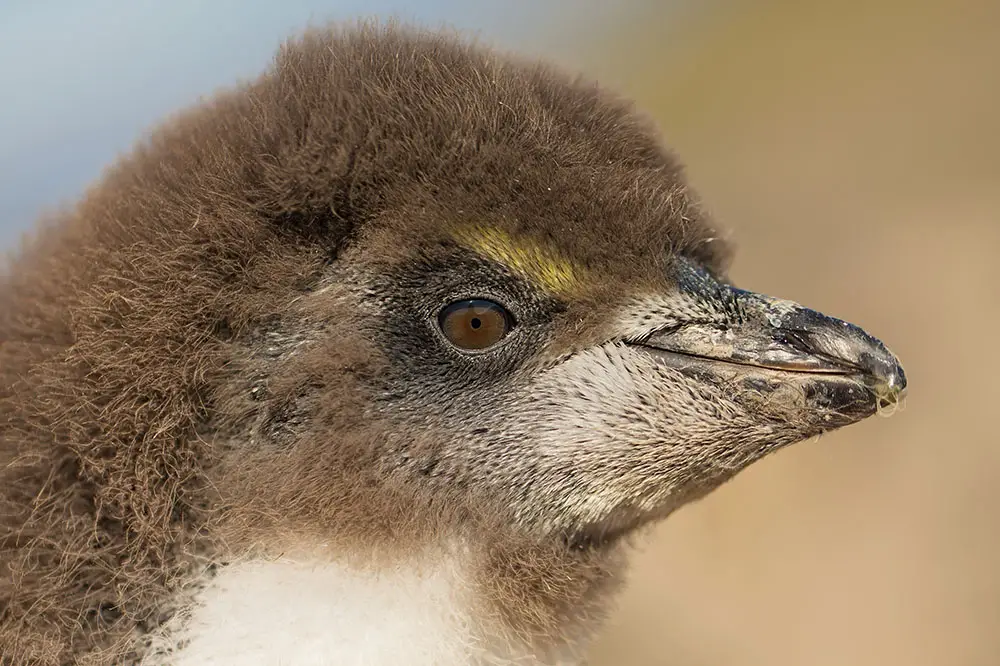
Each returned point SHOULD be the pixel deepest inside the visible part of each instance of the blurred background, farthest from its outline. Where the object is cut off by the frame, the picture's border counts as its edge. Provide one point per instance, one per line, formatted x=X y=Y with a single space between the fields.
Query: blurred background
x=852 y=147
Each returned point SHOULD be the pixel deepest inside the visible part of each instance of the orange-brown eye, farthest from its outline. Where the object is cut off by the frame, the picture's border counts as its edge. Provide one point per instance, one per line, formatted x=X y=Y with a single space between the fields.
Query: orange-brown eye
x=474 y=324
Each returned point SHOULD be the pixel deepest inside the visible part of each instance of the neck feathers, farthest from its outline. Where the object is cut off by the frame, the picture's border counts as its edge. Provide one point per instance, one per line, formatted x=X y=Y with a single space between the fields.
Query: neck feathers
x=448 y=606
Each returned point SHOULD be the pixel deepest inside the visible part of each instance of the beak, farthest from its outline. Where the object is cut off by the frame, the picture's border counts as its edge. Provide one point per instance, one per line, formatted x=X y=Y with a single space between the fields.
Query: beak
x=770 y=345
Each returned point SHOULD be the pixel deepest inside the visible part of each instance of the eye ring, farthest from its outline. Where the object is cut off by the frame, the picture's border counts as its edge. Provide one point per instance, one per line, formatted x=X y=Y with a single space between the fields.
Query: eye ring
x=475 y=324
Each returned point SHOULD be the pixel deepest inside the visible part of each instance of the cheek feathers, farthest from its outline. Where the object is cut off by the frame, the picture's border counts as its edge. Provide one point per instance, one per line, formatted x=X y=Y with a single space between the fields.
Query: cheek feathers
x=622 y=397
x=619 y=436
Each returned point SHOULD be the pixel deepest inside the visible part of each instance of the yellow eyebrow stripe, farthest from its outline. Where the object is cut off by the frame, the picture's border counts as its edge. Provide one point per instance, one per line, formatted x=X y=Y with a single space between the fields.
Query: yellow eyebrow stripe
x=541 y=266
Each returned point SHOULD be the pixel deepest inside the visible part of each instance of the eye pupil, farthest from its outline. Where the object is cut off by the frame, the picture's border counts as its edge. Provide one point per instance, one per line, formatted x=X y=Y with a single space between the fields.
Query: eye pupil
x=475 y=324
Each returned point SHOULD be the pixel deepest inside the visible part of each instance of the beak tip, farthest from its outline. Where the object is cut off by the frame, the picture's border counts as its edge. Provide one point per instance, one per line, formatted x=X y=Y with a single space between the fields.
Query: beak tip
x=888 y=379
x=896 y=383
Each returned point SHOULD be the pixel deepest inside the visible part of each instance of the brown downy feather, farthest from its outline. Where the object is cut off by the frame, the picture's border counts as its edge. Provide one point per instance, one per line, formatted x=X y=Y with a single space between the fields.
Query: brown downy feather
x=130 y=325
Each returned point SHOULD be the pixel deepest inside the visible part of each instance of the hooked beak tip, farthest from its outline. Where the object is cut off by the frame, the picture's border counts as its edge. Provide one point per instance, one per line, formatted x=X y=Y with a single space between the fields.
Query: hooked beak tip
x=889 y=384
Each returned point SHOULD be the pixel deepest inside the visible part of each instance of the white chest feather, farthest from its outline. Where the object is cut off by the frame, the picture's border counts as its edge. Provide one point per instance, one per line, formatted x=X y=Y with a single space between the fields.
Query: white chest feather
x=300 y=613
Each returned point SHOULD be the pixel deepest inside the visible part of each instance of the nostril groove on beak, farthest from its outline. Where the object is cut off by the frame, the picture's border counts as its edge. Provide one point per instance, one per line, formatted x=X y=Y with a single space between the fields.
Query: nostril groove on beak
x=795 y=338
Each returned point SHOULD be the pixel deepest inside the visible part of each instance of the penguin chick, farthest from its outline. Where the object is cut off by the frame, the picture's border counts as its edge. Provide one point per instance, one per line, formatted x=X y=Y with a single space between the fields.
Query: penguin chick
x=380 y=358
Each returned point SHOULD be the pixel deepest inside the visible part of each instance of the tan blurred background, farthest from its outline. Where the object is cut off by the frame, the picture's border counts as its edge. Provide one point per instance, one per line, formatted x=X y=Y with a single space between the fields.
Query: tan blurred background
x=853 y=148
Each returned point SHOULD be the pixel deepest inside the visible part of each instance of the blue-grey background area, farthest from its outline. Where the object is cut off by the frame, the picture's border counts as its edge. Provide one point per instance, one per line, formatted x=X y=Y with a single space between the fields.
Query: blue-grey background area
x=82 y=80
